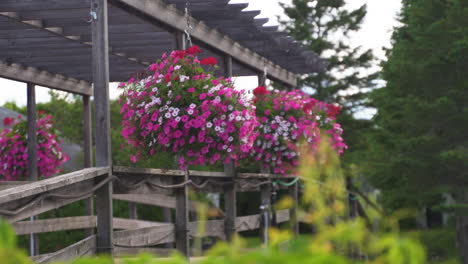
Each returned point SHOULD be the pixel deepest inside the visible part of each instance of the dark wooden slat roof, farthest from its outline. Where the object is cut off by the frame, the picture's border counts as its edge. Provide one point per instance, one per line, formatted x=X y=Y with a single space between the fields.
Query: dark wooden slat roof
x=53 y=36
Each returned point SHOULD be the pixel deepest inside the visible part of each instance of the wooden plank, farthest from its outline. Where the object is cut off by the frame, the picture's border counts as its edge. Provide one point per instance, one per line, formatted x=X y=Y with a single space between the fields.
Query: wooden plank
x=182 y=218
x=11 y=184
x=124 y=251
x=84 y=247
x=75 y=222
x=282 y=216
x=50 y=184
x=249 y=222
x=122 y=223
x=53 y=225
x=155 y=235
x=175 y=19
x=213 y=228
x=100 y=65
x=47 y=204
x=32 y=75
x=32 y=132
x=132 y=170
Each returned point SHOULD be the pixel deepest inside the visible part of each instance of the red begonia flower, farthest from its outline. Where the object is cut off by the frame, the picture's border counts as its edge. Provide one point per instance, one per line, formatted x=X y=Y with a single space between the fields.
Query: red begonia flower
x=261 y=90
x=8 y=121
x=209 y=61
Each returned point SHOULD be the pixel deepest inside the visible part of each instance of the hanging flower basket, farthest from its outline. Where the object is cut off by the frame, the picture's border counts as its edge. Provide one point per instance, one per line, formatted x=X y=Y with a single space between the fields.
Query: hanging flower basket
x=286 y=120
x=14 y=153
x=178 y=107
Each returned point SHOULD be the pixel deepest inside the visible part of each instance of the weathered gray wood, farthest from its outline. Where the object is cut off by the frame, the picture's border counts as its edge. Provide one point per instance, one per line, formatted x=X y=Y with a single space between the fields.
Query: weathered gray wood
x=165 y=201
x=43 y=78
x=182 y=218
x=32 y=132
x=141 y=237
x=79 y=249
x=213 y=228
x=294 y=194
x=125 y=252
x=122 y=223
x=50 y=184
x=249 y=222
x=230 y=202
x=118 y=169
x=56 y=224
x=228 y=66
x=100 y=63
x=282 y=215
x=75 y=222
x=88 y=152
x=11 y=184
x=180 y=40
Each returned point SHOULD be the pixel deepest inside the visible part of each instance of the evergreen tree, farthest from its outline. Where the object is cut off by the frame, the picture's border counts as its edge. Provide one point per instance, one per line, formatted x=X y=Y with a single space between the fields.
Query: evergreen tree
x=420 y=146
x=325 y=27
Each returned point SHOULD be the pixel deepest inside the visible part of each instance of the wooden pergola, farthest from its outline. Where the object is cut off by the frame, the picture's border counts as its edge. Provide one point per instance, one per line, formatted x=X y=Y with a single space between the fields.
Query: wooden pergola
x=79 y=46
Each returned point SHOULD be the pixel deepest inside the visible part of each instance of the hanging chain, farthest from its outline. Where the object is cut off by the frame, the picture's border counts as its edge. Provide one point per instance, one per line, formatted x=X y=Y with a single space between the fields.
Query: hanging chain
x=188 y=26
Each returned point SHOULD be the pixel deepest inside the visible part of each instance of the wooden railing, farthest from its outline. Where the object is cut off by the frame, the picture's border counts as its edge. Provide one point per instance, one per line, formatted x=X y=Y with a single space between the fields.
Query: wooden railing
x=156 y=187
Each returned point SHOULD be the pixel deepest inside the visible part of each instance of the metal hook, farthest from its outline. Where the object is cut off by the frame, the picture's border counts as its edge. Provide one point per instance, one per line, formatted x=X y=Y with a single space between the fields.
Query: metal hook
x=92 y=17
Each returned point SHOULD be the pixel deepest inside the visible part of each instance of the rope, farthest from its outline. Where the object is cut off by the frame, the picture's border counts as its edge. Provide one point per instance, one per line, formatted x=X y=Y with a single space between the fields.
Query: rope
x=287 y=184
x=188 y=26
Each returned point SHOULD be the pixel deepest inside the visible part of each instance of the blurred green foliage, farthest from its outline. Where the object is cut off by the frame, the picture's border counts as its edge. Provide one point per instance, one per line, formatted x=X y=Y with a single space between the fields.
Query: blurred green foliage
x=338 y=238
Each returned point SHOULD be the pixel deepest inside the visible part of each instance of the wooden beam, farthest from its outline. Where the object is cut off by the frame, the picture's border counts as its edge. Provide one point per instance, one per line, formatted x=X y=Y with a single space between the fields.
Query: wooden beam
x=100 y=63
x=32 y=75
x=47 y=185
x=174 y=18
x=79 y=249
x=182 y=218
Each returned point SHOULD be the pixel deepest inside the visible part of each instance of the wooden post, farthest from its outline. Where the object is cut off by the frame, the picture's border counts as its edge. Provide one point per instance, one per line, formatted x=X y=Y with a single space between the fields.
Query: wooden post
x=265 y=203
x=180 y=40
x=88 y=152
x=100 y=61
x=32 y=155
x=132 y=210
x=182 y=218
x=230 y=202
x=294 y=194
x=261 y=79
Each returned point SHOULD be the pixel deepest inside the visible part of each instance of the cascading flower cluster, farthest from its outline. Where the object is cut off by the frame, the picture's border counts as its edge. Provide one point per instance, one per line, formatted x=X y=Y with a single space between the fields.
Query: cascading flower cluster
x=14 y=154
x=286 y=120
x=177 y=107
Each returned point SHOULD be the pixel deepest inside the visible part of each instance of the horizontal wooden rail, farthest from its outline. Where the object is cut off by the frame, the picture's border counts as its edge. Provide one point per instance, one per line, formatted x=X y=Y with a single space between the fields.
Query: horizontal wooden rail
x=160 y=200
x=216 y=174
x=75 y=222
x=47 y=185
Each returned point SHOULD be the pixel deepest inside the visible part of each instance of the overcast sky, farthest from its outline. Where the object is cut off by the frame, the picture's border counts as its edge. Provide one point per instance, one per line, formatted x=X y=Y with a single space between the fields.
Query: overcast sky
x=375 y=34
